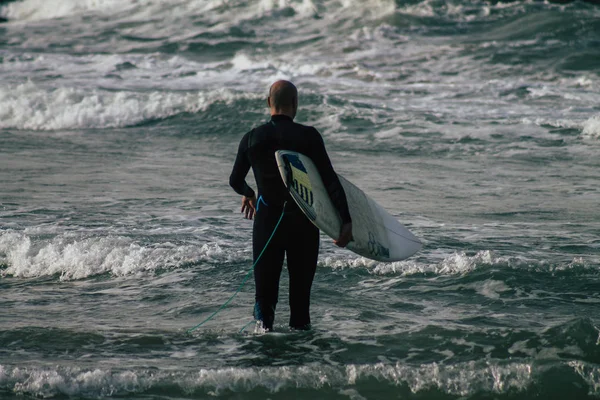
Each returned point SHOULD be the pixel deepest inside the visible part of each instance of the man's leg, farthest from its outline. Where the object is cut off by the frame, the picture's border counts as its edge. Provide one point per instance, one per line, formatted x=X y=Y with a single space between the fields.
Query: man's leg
x=302 y=254
x=268 y=269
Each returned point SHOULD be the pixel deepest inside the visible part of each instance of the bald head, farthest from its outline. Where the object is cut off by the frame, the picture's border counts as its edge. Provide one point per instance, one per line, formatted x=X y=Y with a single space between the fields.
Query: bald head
x=283 y=98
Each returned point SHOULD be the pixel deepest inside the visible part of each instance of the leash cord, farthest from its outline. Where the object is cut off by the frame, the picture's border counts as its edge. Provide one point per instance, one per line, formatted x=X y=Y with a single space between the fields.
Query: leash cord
x=243 y=281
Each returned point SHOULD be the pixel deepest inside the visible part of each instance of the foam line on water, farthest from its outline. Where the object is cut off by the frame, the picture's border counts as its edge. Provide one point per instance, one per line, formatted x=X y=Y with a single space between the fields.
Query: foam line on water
x=73 y=257
x=120 y=70
x=31 y=107
x=33 y=10
x=460 y=379
x=458 y=263
x=591 y=127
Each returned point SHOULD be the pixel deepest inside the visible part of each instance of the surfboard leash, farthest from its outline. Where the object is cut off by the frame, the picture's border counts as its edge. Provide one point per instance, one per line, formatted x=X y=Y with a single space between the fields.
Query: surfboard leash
x=244 y=280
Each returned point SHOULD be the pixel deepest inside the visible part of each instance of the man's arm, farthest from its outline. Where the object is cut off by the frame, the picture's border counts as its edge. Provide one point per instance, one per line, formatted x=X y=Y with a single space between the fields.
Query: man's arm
x=334 y=188
x=237 y=179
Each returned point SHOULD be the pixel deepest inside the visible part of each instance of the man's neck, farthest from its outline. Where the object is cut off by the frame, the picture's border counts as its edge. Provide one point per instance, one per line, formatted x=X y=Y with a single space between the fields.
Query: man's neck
x=287 y=113
x=281 y=117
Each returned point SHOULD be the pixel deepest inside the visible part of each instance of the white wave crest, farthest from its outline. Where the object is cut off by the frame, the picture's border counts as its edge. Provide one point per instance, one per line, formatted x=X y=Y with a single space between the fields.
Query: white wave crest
x=305 y=7
x=137 y=71
x=457 y=263
x=30 y=107
x=589 y=373
x=461 y=379
x=33 y=10
x=557 y=123
x=591 y=127
x=76 y=258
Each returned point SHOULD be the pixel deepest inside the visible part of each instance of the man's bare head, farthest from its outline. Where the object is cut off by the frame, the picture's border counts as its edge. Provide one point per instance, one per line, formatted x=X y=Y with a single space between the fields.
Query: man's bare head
x=283 y=98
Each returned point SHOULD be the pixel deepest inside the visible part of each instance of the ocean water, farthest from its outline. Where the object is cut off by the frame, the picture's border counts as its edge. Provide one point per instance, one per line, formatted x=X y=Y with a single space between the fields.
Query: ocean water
x=476 y=123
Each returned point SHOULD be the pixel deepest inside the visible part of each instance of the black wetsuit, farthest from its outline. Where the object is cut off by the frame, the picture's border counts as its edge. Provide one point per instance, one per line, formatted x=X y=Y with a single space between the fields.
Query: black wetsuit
x=296 y=236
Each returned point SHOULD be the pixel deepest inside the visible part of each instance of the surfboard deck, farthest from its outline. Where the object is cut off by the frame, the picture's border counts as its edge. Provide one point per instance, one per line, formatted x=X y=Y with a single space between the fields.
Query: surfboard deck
x=377 y=234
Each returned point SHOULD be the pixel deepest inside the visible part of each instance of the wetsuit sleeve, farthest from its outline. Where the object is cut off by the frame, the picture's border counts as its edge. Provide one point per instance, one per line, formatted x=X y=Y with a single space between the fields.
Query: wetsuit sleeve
x=237 y=179
x=329 y=177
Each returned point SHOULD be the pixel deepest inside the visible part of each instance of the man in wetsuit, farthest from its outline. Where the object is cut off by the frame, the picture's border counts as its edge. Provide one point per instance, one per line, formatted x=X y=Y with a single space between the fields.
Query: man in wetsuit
x=296 y=236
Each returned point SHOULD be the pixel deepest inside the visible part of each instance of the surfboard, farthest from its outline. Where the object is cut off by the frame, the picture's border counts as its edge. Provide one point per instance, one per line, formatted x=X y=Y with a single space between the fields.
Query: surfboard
x=377 y=234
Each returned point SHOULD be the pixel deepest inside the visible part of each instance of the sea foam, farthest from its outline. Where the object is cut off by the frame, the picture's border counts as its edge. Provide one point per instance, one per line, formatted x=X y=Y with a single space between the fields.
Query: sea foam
x=457 y=263
x=459 y=380
x=72 y=257
x=31 y=107
x=591 y=127
x=32 y=10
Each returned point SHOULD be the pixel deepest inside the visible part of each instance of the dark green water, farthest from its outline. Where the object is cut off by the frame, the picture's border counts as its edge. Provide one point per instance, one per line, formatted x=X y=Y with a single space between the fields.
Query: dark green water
x=476 y=123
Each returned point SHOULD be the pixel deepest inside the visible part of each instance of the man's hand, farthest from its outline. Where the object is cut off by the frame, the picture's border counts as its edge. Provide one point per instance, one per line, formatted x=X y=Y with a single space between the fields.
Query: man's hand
x=345 y=235
x=248 y=206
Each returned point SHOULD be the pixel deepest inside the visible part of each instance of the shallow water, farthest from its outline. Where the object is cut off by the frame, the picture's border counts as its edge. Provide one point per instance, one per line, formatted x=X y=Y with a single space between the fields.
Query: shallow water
x=476 y=123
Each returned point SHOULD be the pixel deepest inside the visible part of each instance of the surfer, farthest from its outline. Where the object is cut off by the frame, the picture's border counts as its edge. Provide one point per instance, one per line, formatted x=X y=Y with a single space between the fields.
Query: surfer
x=296 y=237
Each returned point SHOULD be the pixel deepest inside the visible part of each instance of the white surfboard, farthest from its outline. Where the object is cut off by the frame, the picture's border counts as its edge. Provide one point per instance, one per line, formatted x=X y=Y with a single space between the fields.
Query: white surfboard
x=377 y=234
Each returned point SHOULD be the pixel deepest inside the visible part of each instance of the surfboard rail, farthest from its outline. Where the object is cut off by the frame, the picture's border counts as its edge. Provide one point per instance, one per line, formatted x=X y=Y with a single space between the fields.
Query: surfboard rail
x=377 y=234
